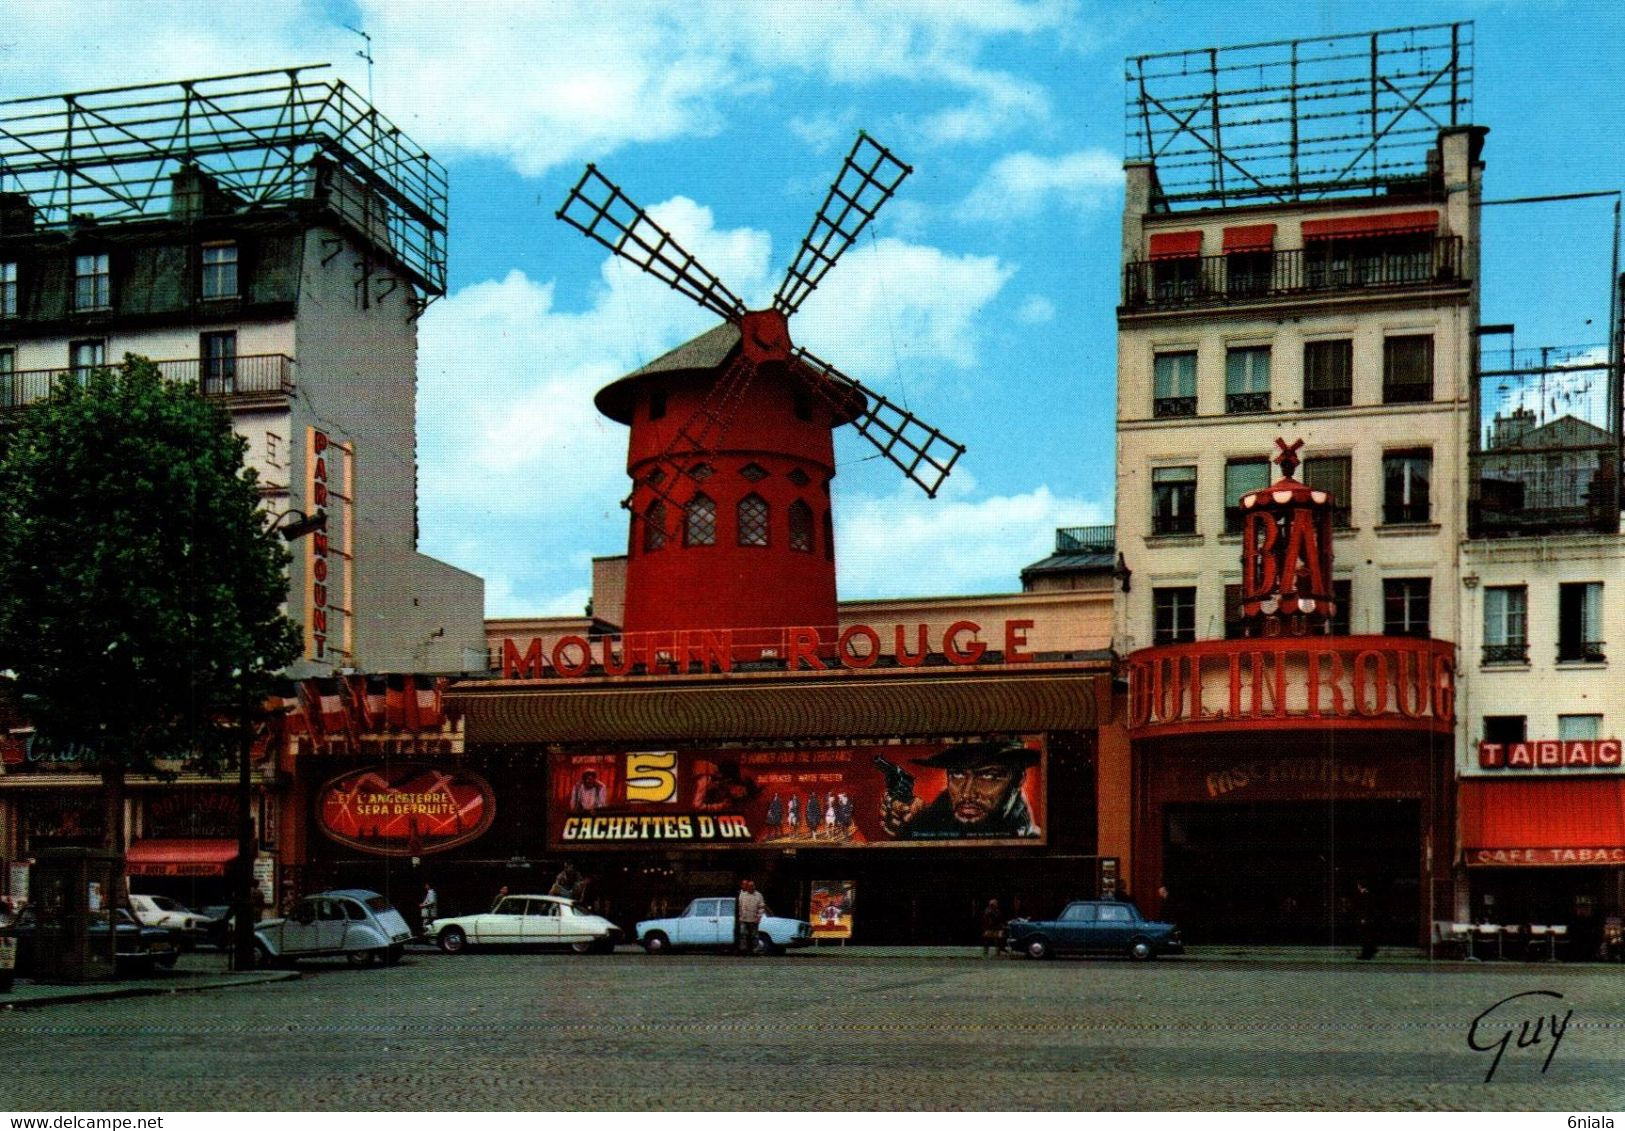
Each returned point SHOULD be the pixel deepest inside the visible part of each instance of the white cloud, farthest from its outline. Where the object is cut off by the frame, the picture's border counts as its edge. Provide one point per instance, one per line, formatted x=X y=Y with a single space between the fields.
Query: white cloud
x=1034 y=310
x=1021 y=185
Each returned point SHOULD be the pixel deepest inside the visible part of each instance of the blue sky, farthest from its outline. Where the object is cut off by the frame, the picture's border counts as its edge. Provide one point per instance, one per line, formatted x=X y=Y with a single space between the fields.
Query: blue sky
x=983 y=298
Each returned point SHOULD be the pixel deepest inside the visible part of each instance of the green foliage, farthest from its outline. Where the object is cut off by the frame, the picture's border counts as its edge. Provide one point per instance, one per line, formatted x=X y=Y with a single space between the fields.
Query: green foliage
x=140 y=584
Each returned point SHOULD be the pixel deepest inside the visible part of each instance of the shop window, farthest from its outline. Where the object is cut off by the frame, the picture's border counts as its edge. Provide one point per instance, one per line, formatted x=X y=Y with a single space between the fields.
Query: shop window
x=1506 y=624
x=92 y=282
x=654 y=527
x=1174 y=384
x=752 y=520
x=1579 y=727
x=801 y=527
x=700 y=521
x=1173 y=611
x=1334 y=475
x=1407 y=369
x=1405 y=606
x=219 y=353
x=1579 y=623
x=1505 y=728
x=1406 y=486
x=85 y=355
x=1240 y=477
x=1173 y=500
x=218 y=275
x=8 y=290
x=1328 y=373
x=1247 y=380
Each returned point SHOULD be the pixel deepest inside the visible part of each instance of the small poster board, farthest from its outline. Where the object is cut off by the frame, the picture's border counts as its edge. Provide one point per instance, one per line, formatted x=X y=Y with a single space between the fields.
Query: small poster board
x=831 y=909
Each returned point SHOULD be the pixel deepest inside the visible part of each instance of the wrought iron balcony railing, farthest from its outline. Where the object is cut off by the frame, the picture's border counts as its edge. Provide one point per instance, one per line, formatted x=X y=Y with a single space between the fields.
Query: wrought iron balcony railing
x=1237 y=403
x=1507 y=653
x=249 y=375
x=1581 y=652
x=1173 y=406
x=1214 y=280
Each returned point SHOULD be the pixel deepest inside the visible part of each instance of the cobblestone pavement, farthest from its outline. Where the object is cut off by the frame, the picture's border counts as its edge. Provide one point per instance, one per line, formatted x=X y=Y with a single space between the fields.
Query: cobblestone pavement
x=833 y=1031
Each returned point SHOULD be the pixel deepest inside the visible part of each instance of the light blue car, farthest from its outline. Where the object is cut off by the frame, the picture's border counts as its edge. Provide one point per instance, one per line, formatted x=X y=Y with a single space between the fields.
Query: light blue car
x=710 y=923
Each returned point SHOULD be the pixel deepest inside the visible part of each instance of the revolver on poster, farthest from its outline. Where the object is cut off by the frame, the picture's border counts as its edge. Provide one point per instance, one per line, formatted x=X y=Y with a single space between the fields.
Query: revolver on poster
x=899 y=782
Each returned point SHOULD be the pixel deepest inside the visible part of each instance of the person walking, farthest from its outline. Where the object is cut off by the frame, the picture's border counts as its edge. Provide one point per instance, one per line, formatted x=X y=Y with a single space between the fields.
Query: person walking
x=992 y=928
x=429 y=907
x=1365 y=919
x=749 y=907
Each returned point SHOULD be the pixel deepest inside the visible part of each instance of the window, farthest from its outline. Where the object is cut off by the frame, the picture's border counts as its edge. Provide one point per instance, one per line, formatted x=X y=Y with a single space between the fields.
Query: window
x=1247 y=380
x=1407 y=369
x=752 y=517
x=92 y=282
x=754 y=472
x=657 y=403
x=654 y=527
x=85 y=355
x=1405 y=603
x=8 y=386
x=700 y=521
x=219 y=270
x=1240 y=477
x=1506 y=624
x=219 y=353
x=1368 y=261
x=1173 y=613
x=1328 y=373
x=1174 y=384
x=1248 y=272
x=8 y=290
x=1405 y=481
x=1576 y=727
x=1332 y=474
x=1579 y=623
x=801 y=527
x=1505 y=728
x=1173 y=500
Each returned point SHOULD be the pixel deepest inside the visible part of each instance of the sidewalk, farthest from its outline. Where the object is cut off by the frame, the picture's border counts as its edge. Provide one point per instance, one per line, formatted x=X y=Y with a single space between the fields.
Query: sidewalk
x=197 y=971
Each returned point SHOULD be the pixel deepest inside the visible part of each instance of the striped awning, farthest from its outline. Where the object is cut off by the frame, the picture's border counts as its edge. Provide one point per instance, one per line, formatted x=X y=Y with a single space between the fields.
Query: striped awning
x=850 y=704
x=1175 y=245
x=1379 y=224
x=1249 y=237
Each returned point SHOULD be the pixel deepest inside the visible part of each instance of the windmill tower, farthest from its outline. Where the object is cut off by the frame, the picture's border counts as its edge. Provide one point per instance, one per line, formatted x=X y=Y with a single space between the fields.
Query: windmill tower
x=731 y=451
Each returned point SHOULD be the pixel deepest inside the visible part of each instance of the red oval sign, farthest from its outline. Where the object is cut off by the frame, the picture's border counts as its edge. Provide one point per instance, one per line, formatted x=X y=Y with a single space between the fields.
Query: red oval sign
x=405 y=810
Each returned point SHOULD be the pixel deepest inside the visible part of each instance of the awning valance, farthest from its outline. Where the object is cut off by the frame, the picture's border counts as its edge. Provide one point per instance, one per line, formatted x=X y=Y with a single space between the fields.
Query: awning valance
x=1175 y=245
x=197 y=856
x=867 y=706
x=1524 y=821
x=1252 y=237
x=1381 y=224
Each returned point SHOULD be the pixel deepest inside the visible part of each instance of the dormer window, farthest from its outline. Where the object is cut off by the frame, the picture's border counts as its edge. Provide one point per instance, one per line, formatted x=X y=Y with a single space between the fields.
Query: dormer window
x=92 y=282
x=219 y=270
x=8 y=290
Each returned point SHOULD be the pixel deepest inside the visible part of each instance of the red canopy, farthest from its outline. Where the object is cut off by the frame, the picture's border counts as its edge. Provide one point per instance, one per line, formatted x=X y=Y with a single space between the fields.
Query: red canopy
x=1175 y=245
x=1379 y=224
x=1521 y=821
x=1251 y=237
x=183 y=857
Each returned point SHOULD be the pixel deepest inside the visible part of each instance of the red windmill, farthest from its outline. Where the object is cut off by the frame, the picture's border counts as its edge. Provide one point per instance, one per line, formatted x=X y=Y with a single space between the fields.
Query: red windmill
x=731 y=450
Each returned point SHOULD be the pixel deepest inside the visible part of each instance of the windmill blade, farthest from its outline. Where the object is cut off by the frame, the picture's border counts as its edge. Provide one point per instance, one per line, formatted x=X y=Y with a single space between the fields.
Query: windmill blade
x=673 y=479
x=922 y=452
x=600 y=209
x=868 y=178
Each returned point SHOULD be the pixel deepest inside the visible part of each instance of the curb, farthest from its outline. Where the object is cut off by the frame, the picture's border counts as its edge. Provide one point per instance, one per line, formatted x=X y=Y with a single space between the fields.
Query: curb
x=37 y=997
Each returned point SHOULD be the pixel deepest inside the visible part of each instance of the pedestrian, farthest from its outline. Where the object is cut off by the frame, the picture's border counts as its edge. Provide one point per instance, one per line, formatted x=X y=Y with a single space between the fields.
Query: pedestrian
x=429 y=907
x=256 y=900
x=749 y=907
x=502 y=893
x=992 y=928
x=566 y=882
x=1365 y=919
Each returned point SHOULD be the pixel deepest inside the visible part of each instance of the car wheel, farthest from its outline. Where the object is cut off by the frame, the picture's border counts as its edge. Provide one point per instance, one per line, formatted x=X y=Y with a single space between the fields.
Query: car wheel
x=584 y=947
x=453 y=940
x=1140 y=950
x=1037 y=947
x=168 y=959
x=393 y=954
x=766 y=947
x=656 y=943
x=262 y=956
x=361 y=957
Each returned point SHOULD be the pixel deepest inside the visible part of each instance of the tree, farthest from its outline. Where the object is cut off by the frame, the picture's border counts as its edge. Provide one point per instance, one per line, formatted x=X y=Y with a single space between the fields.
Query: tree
x=141 y=602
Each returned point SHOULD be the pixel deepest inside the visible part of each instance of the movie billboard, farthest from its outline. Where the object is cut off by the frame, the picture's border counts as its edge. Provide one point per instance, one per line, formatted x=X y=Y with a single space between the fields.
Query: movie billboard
x=981 y=793
x=831 y=908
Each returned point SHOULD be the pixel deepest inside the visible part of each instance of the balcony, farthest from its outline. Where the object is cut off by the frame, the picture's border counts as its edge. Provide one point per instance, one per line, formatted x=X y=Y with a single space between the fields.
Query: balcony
x=1164 y=407
x=1506 y=653
x=1581 y=652
x=1235 y=404
x=250 y=375
x=1219 y=280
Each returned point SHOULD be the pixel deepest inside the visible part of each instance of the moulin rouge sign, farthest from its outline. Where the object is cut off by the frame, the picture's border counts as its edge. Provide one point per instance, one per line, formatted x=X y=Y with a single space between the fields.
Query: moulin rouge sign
x=713 y=651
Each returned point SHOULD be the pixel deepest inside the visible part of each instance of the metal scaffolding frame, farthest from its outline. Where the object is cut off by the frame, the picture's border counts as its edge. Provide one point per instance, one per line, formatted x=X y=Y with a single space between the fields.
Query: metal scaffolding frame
x=262 y=137
x=1297 y=119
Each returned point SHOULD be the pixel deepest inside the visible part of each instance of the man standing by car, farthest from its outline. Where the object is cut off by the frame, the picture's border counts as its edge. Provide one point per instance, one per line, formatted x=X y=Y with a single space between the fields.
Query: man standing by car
x=749 y=907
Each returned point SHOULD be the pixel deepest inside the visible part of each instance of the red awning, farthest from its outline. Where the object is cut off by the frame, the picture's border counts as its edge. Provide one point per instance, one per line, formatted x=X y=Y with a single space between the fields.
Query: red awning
x=186 y=857
x=1175 y=245
x=1524 y=821
x=1381 y=224
x=1253 y=237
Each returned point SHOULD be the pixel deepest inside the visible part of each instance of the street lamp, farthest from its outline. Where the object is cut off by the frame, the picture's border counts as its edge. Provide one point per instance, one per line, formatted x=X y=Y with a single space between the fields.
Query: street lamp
x=242 y=957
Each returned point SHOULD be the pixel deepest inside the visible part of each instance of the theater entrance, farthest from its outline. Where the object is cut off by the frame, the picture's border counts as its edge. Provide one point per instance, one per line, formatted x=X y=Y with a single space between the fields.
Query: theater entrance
x=1288 y=872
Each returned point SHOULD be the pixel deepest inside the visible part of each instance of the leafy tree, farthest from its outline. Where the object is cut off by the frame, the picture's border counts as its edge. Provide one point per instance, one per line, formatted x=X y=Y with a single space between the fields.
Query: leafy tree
x=141 y=586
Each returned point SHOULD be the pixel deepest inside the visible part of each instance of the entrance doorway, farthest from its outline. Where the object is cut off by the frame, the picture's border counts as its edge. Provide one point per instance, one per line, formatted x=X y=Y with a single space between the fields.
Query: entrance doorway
x=1288 y=872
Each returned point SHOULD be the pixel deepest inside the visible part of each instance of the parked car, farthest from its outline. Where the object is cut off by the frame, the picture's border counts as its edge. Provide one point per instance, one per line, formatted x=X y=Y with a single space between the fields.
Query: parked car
x=186 y=927
x=138 y=950
x=219 y=921
x=1101 y=925
x=359 y=924
x=709 y=922
x=529 y=920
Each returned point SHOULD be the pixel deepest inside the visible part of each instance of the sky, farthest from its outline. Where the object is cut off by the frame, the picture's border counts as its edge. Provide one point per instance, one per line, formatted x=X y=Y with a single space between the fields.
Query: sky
x=982 y=298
